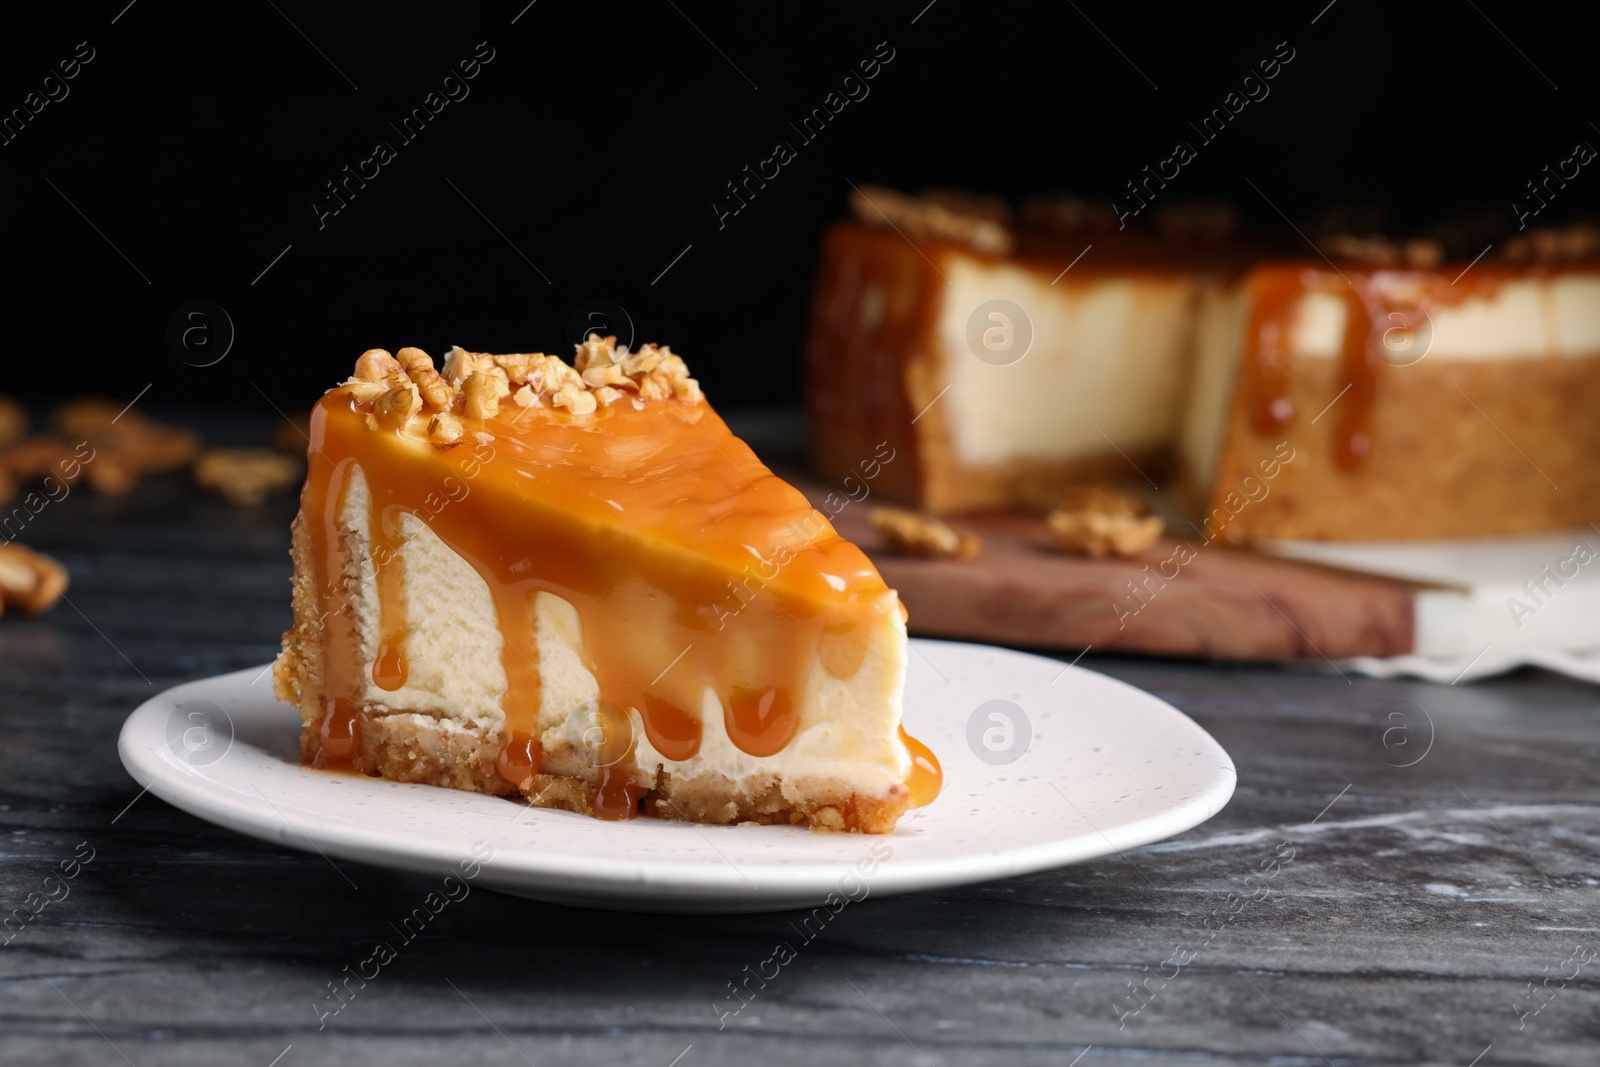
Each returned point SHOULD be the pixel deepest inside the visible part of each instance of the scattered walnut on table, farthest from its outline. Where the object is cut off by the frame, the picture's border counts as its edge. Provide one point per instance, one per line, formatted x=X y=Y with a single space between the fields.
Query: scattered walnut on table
x=245 y=475
x=913 y=534
x=35 y=457
x=147 y=445
x=30 y=582
x=1092 y=520
x=111 y=474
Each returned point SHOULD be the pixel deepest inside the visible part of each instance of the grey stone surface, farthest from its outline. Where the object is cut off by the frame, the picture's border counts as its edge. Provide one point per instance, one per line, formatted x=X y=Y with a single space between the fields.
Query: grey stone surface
x=1415 y=911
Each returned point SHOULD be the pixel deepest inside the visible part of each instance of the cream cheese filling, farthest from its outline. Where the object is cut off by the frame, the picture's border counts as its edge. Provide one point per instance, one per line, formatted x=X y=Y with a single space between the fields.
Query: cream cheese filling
x=1528 y=319
x=848 y=732
x=1115 y=347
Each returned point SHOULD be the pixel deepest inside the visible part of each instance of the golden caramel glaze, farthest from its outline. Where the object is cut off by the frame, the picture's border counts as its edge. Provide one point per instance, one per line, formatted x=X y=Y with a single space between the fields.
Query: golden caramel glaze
x=640 y=514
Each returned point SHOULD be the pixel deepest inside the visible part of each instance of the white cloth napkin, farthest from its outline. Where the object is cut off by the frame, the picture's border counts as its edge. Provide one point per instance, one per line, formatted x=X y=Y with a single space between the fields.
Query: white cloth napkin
x=1483 y=607
x=1449 y=670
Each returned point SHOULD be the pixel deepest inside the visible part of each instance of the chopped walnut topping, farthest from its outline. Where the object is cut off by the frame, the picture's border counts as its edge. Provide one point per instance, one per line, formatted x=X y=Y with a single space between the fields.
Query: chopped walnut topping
x=406 y=392
x=1385 y=252
x=367 y=392
x=375 y=365
x=480 y=395
x=396 y=406
x=607 y=374
x=576 y=400
x=30 y=582
x=1092 y=520
x=982 y=224
x=245 y=475
x=435 y=391
x=596 y=351
x=445 y=429
x=913 y=534
x=1554 y=245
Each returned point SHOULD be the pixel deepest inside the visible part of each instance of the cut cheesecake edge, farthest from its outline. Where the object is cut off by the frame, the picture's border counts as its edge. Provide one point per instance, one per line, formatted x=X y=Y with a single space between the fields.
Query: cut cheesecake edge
x=1366 y=403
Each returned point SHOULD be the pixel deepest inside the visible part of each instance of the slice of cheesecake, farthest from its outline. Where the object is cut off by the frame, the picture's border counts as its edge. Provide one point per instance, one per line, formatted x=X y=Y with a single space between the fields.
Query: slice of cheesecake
x=574 y=583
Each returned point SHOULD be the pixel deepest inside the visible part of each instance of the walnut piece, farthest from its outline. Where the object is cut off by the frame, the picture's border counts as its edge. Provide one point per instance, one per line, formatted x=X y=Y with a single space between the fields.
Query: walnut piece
x=445 y=429
x=435 y=391
x=406 y=393
x=30 y=582
x=45 y=456
x=375 y=365
x=1554 y=245
x=1092 y=520
x=480 y=395
x=911 y=533
x=980 y=223
x=111 y=427
x=1380 y=251
x=245 y=476
x=397 y=404
x=111 y=474
x=41 y=456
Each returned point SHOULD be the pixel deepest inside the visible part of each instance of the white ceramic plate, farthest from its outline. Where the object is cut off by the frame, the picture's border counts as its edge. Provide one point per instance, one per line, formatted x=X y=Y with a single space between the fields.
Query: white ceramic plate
x=1043 y=766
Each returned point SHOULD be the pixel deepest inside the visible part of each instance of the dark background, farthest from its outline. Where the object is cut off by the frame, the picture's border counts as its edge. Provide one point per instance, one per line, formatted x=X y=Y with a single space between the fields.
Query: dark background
x=596 y=140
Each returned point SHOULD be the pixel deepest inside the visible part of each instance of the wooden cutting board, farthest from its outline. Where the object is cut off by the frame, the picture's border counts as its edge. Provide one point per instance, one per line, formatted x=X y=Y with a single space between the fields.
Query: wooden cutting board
x=1220 y=604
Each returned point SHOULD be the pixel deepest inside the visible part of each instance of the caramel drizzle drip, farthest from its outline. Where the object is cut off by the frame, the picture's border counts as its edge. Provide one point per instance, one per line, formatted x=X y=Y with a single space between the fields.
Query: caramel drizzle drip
x=389 y=668
x=927 y=777
x=340 y=728
x=1375 y=303
x=676 y=493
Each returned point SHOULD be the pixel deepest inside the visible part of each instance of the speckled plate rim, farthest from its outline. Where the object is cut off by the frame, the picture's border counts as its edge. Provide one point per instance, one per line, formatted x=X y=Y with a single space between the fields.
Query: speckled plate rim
x=1077 y=766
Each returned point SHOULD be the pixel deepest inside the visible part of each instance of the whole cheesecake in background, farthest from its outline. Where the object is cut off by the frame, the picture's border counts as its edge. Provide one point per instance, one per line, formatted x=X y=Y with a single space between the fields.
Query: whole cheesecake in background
x=1373 y=393
x=574 y=583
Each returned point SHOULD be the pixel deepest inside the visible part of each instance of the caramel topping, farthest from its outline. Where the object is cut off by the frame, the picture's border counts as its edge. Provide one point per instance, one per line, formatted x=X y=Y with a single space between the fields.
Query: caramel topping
x=320 y=504
x=927 y=777
x=1387 y=314
x=518 y=760
x=636 y=513
x=389 y=668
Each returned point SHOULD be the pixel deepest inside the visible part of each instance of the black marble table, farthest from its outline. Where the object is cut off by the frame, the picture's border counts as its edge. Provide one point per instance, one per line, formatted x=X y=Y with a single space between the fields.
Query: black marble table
x=1436 y=897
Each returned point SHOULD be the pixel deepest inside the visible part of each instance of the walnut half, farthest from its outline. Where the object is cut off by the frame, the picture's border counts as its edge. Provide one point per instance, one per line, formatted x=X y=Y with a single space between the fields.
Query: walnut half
x=245 y=475
x=1092 y=520
x=912 y=534
x=30 y=582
